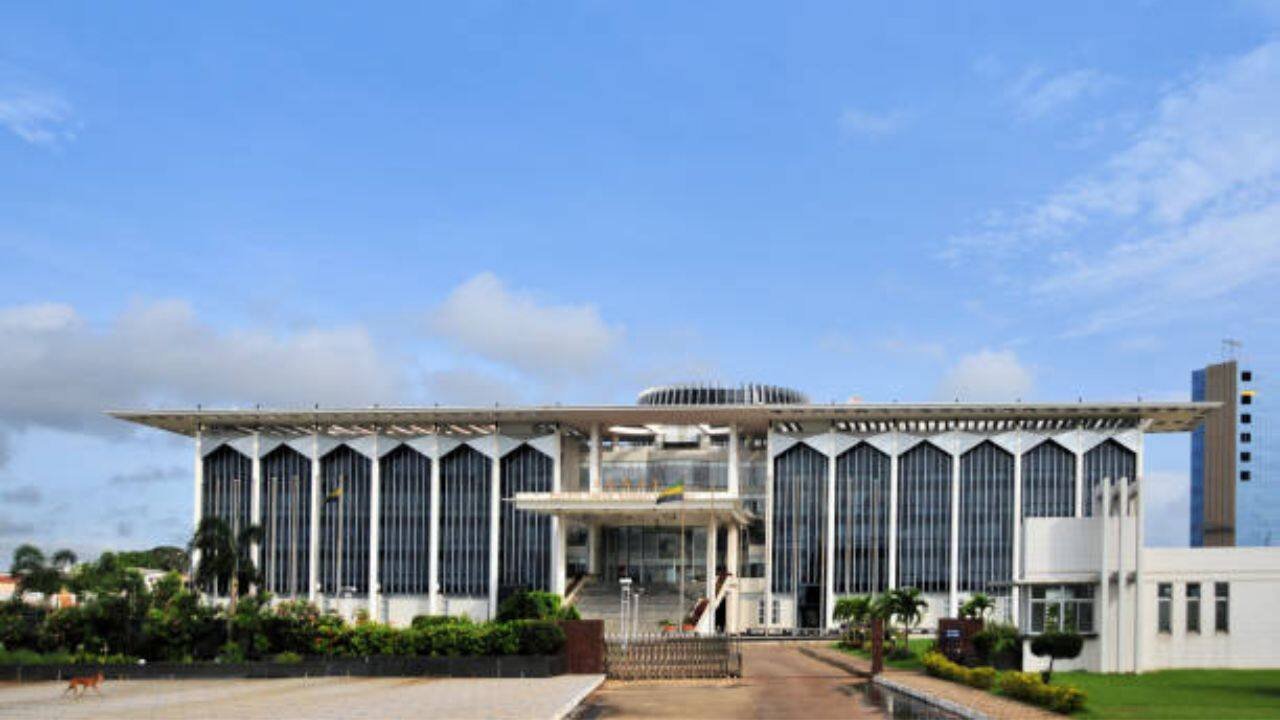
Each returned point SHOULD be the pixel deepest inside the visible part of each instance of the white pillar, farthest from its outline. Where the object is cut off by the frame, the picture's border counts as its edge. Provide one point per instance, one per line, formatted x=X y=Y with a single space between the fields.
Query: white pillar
x=1102 y=516
x=731 y=562
x=495 y=506
x=768 y=530
x=198 y=505
x=375 y=527
x=829 y=546
x=893 y=513
x=433 y=531
x=708 y=615
x=1122 y=511
x=594 y=459
x=1015 y=592
x=1079 y=455
x=594 y=564
x=954 y=594
x=1139 y=662
x=255 y=497
x=734 y=481
x=558 y=534
x=313 y=551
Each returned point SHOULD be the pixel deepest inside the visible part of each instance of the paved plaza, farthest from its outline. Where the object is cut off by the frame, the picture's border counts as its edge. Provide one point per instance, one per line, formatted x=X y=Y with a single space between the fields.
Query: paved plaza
x=331 y=697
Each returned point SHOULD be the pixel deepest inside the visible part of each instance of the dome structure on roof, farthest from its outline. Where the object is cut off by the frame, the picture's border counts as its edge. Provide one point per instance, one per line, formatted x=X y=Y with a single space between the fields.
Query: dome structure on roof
x=713 y=394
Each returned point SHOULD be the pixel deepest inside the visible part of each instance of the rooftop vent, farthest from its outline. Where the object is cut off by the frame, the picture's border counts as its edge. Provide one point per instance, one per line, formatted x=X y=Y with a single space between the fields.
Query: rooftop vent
x=745 y=394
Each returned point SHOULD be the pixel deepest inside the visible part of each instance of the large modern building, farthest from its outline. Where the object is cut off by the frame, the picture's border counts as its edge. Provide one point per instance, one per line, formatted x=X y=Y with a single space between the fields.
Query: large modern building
x=1235 y=457
x=786 y=505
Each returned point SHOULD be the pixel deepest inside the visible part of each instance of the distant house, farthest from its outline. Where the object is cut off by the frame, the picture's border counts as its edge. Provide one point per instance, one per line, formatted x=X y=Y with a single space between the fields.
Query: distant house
x=8 y=587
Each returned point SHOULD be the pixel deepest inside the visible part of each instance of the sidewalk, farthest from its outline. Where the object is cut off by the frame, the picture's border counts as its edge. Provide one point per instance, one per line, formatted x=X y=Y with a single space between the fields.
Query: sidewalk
x=964 y=700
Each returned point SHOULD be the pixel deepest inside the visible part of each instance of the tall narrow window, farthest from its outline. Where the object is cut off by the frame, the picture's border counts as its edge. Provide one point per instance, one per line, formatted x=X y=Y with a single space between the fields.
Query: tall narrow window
x=1193 y=607
x=1222 y=607
x=1164 y=608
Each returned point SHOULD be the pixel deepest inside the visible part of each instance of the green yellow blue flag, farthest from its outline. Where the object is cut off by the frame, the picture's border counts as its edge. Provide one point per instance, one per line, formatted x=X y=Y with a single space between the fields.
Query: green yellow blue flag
x=673 y=493
x=334 y=494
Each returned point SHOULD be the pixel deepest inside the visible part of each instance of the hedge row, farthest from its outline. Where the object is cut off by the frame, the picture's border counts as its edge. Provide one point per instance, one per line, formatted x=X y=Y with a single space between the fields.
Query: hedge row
x=1029 y=687
x=937 y=665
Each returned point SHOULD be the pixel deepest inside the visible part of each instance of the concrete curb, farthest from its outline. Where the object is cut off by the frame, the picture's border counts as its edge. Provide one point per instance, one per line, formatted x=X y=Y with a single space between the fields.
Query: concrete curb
x=578 y=697
x=963 y=711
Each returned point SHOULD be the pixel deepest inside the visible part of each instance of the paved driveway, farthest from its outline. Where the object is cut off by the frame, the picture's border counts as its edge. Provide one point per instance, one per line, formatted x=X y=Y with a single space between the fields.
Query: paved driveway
x=778 y=682
x=303 y=698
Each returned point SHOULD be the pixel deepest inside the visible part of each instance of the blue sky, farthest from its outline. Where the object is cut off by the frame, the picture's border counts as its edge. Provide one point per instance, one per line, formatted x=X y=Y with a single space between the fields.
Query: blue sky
x=522 y=202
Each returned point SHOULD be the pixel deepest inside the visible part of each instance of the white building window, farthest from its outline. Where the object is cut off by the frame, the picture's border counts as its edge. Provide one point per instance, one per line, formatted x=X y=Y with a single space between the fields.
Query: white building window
x=1193 y=607
x=1068 y=608
x=1222 y=607
x=1164 y=608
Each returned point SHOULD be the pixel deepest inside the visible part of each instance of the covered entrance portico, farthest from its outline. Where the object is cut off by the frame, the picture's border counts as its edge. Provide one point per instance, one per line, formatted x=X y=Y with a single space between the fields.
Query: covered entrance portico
x=682 y=556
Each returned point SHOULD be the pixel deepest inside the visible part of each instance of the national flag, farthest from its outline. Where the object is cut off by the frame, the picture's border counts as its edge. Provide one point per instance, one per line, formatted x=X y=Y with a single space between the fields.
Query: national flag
x=674 y=493
x=334 y=494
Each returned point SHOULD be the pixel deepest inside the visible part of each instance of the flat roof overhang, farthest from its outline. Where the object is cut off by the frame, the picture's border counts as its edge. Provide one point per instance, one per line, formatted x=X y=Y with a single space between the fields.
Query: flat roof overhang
x=1156 y=417
x=637 y=508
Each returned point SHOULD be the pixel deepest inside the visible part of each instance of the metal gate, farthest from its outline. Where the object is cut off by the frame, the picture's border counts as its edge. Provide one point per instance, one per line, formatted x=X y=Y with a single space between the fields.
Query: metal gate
x=666 y=657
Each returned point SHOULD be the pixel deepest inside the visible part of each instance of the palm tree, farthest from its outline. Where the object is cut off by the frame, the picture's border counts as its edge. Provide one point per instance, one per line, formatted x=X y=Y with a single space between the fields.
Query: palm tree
x=33 y=572
x=225 y=560
x=909 y=606
x=65 y=559
x=977 y=607
x=855 y=611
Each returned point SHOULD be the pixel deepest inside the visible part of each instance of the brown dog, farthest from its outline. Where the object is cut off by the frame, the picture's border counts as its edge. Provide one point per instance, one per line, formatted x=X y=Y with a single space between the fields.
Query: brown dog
x=79 y=685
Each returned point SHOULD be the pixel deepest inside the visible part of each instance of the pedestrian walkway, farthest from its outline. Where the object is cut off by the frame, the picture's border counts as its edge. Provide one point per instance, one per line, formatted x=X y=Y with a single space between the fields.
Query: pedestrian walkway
x=322 y=698
x=978 y=702
x=778 y=682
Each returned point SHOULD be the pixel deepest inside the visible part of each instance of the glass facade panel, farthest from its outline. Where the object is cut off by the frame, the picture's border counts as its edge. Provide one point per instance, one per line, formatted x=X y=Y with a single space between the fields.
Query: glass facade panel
x=344 y=522
x=924 y=519
x=404 y=529
x=1222 y=607
x=286 y=519
x=1108 y=460
x=986 y=520
x=524 y=550
x=1048 y=481
x=465 y=476
x=1164 y=608
x=227 y=493
x=862 y=521
x=799 y=511
x=1067 y=608
x=1193 y=607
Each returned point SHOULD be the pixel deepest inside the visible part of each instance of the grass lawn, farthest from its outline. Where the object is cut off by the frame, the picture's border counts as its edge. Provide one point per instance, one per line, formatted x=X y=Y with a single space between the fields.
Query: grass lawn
x=918 y=646
x=1179 y=694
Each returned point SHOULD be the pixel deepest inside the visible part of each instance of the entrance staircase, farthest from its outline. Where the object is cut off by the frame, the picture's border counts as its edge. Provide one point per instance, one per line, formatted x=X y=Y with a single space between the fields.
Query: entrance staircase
x=598 y=599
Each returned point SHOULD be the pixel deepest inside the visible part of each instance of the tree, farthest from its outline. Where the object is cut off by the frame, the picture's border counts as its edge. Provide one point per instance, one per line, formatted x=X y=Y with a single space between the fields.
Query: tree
x=225 y=560
x=64 y=560
x=908 y=606
x=34 y=573
x=855 y=611
x=977 y=607
x=1056 y=645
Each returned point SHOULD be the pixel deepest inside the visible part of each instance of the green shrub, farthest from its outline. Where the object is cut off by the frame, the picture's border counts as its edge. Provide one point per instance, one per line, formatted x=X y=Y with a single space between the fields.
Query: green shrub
x=231 y=652
x=288 y=658
x=1056 y=646
x=999 y=645
x=1029 y=687
x=937 y=665
x=502 y=639
x=539 y=637
x=529 y=605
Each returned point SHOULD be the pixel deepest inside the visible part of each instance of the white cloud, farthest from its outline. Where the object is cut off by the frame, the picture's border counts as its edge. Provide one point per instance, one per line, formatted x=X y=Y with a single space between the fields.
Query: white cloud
x=1037 y=94
x=1186 y=212
x=59 y=371
x=22 y=495
x=483 y=317
x=1166 y=508
x=986 y=376
x=151 y=475
x=462 y=386
x=39 y=118
x=870 y=124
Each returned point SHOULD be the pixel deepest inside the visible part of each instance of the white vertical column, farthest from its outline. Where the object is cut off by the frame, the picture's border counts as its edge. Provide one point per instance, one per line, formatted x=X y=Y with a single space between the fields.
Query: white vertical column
x=198 y=504
x=255 y=496
x=558 y=534
x=709 y=617
x=1079 y=455
x=734 y=481
x=375 y=527
x=1015 y=592
x=768 y=529
x=893 y=512
x=594 y=460
x=954 y=594
x=495 y=506
x=1102 y=516
x=1122 y=512
x=829 y=546
x=731 y=563
x=1139 y=533
x=313 y=550
x=433 y=531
